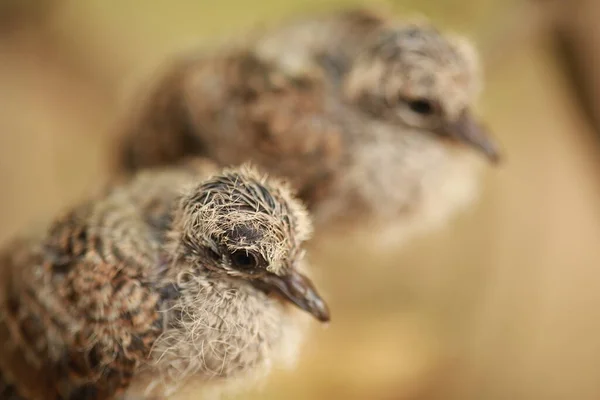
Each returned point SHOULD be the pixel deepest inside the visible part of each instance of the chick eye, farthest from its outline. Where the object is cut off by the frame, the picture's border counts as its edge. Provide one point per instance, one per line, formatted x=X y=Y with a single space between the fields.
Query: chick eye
x=243 y=260
x=421 y=106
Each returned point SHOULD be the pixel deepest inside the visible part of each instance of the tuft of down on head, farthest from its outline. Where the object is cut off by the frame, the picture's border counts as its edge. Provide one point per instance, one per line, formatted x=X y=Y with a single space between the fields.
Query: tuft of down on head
x=242 y=217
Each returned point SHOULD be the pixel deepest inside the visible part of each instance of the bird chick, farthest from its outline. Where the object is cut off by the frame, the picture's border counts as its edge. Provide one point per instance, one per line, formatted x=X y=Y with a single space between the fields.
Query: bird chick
x=156 y=283
x=369 y=118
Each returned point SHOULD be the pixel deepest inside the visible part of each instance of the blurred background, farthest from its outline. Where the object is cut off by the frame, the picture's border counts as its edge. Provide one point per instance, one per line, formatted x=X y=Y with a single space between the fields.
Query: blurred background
x=501 y=304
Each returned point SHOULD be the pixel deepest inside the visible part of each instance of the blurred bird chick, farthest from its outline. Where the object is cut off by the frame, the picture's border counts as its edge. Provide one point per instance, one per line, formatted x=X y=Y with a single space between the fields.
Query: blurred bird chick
x=369 y=118
x=156 y=283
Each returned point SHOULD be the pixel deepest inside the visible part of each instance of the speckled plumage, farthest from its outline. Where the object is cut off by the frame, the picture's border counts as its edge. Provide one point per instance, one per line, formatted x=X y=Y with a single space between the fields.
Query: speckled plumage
x=169 y=278
x=369 y=118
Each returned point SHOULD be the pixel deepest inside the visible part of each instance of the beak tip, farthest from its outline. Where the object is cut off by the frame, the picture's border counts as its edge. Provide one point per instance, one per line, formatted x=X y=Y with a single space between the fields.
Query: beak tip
x=495 y=158
x=324 y=316
x=319 y=309
x=495 y=155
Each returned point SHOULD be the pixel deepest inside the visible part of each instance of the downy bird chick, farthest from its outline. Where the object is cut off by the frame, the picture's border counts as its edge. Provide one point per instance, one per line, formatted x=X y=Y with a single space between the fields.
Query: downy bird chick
x=370 y=119
x=156 y=283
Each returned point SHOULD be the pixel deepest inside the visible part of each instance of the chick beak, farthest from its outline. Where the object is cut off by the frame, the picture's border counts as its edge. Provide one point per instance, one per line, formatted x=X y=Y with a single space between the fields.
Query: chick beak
x=469 y=131
x=299 y=290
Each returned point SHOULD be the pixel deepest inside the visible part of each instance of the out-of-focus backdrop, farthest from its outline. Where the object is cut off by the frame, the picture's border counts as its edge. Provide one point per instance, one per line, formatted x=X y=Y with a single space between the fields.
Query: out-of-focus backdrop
x=501 y=304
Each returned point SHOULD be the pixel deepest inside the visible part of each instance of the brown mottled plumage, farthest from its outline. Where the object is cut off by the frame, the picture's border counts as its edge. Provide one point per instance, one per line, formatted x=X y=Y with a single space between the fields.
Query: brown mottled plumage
x=369 y=118
x=154 y=283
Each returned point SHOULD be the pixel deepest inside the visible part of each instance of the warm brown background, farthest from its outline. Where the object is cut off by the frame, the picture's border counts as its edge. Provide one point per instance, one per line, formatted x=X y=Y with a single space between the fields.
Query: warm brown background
x=502 y=304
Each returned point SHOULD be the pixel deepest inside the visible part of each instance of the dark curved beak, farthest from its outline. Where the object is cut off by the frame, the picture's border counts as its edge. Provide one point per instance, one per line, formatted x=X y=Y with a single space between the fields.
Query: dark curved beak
x=299 y=290
x=469 y=131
